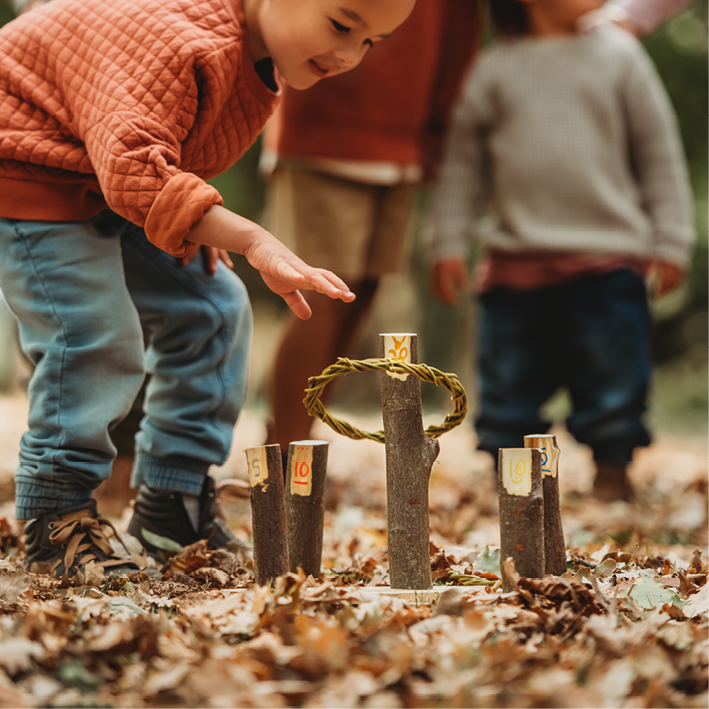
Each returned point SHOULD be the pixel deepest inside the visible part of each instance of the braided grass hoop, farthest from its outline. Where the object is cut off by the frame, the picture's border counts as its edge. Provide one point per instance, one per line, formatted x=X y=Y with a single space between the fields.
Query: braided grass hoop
x=422 y=371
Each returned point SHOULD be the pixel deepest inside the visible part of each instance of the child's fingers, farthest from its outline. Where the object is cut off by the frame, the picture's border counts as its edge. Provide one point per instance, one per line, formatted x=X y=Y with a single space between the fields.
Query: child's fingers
x=286 y=272
x=317 y=279
x=333 y=279
x=664 y=277
x=298 y=304
x=449 y=280
x=329 y=284
x=225 y=258
x=210 y=258
x=189 y=256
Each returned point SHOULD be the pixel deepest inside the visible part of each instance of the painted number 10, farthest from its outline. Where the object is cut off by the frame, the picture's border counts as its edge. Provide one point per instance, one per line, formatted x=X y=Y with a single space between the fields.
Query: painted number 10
x=301 y=470
x=517 y=472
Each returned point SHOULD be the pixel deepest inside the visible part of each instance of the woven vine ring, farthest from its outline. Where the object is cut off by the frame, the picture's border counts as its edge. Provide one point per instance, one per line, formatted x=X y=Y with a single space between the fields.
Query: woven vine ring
x=422 y=371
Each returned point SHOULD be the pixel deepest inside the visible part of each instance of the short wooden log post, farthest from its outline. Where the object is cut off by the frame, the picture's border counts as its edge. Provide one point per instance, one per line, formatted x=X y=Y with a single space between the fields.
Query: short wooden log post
x=268 y=513
x=306 y=474
x=410 y=453
x=519 y=485
x=554 y=544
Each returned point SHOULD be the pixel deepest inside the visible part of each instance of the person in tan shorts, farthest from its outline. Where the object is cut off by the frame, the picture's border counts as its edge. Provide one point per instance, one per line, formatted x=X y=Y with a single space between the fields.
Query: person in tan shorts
x=306 y=210
x=343 y=163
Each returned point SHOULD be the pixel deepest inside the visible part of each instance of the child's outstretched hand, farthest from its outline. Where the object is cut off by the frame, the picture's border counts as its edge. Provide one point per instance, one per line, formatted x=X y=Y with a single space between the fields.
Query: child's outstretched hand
x=282 y=271
x=450 y=280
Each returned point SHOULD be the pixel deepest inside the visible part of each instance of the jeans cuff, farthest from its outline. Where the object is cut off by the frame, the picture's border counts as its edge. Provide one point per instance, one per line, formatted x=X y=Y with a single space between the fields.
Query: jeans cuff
x=35 y=497
x=176 y=473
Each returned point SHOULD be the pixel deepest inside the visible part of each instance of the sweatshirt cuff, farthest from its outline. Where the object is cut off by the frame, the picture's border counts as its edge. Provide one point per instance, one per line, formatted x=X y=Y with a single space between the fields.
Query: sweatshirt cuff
x=182 y=201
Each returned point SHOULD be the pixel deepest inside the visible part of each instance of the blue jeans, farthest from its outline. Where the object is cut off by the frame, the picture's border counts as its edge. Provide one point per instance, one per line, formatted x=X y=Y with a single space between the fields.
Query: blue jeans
x=81 y=291
x=590 y=336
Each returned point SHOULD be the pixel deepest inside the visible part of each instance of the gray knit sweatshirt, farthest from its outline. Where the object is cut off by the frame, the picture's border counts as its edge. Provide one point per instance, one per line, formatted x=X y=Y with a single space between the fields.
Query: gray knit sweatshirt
x=575 y=144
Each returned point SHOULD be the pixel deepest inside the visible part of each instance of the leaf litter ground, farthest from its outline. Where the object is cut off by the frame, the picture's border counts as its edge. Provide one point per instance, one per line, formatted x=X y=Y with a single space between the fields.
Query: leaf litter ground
x=626 y=626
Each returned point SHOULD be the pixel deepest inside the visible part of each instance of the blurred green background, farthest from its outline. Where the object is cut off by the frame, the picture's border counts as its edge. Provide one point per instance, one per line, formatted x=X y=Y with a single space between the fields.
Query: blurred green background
x=679 y=400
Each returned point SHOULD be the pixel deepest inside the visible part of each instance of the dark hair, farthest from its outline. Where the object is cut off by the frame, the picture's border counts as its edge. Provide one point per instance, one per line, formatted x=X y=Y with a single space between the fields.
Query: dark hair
x=509 y=17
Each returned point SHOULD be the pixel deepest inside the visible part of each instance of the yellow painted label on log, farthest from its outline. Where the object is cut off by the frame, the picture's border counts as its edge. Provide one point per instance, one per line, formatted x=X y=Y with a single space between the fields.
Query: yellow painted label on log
x=517 y=470
x=301 y=471
x=257 y=465
x=398 y=348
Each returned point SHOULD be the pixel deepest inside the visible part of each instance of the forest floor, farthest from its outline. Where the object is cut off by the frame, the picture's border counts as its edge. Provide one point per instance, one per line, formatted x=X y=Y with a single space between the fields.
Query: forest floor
x=626 y=626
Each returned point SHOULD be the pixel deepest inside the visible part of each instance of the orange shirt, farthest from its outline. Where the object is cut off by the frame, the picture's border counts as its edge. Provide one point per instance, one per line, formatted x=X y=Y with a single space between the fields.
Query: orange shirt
x=131 y=104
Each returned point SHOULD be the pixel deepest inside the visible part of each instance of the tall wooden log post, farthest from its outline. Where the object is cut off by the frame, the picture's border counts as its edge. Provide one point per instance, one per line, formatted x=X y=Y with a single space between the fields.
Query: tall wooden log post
x=519 y=485
x=268 y=512
x=306 y=474
x=410 y=453
x=554 y=544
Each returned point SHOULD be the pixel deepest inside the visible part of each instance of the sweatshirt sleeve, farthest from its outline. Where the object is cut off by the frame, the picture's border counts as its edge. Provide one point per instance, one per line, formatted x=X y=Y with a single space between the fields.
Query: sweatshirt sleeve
x=136 y=160
x=648 y=15
x=657 y=156
x=461 y=187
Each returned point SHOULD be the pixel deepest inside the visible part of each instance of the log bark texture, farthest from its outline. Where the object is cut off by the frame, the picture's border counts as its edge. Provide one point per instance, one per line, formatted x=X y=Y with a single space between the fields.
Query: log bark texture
x=306 y=474
x=268 y=512
x=554 y=543
x=519 y=485
x=410 y=453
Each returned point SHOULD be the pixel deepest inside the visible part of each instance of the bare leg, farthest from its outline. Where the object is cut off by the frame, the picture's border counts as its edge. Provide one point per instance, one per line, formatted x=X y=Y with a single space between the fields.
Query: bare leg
x=307 y=347
x=114 y=495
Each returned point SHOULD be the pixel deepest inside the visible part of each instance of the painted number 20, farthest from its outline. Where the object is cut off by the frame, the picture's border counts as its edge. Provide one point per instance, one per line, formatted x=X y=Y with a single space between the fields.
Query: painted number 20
x=399 y=352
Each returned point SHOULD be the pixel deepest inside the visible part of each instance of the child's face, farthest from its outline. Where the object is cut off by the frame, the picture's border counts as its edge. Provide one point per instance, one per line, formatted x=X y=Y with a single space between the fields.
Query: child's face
x=309 y=40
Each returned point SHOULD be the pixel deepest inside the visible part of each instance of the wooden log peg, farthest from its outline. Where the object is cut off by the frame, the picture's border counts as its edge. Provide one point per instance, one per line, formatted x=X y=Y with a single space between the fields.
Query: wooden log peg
x=519 y=486
x=306 y=474
x=268 y=514
x=410 y=454
x=554 y=544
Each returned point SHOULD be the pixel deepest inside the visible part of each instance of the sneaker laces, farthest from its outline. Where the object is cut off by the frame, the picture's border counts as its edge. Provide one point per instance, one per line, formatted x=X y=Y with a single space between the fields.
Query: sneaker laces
x=71 y=531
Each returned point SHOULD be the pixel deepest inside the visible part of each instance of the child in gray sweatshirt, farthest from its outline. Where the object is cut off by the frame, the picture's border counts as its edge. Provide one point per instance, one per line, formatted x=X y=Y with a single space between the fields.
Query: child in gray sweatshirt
x=571 y=139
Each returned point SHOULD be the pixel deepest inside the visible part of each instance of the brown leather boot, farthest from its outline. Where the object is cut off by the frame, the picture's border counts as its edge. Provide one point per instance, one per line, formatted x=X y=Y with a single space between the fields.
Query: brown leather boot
x=612 y=482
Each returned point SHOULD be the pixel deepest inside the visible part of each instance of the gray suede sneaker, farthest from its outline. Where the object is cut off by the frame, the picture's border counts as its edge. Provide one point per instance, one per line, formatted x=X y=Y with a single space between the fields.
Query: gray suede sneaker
x=63 y=542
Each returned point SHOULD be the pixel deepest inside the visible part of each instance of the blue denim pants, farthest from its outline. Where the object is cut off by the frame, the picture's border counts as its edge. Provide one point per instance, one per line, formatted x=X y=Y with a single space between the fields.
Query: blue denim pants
x=81 y=291
x=590 y=336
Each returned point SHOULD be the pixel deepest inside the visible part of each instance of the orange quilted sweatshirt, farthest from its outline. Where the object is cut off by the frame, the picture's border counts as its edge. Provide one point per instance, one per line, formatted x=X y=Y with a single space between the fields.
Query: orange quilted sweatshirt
x=130 y=104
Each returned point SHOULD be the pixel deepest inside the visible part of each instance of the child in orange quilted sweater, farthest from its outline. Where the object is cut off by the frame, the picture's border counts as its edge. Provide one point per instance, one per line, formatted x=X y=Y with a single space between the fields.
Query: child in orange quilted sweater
x=112 y=116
